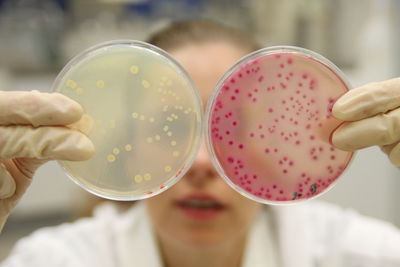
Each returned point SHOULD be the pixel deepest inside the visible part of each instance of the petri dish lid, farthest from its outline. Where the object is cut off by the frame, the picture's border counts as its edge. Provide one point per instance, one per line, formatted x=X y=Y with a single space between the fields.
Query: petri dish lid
x=269 y=123
x=143 y=114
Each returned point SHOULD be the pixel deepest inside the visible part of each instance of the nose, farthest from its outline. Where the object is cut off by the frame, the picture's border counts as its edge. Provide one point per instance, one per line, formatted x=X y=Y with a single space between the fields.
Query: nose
x=202 y=170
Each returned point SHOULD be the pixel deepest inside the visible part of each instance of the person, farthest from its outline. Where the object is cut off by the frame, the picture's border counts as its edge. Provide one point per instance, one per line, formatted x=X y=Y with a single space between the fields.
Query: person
x=200 y=221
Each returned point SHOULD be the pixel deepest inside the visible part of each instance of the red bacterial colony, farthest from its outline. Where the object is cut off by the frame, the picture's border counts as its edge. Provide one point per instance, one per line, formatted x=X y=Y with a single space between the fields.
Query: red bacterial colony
x=269 y=127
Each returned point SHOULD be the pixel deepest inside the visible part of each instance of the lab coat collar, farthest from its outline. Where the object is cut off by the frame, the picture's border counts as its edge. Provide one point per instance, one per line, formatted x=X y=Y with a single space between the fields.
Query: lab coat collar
x=294 y=235
x=261 y=243
x=137 y=245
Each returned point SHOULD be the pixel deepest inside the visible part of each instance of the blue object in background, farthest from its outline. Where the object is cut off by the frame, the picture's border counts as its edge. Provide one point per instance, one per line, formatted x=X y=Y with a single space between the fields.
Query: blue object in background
x=63 y=4
x=181 y=9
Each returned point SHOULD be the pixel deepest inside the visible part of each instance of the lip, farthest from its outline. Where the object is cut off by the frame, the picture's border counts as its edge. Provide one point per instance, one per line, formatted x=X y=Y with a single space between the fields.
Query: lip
x=200 y=214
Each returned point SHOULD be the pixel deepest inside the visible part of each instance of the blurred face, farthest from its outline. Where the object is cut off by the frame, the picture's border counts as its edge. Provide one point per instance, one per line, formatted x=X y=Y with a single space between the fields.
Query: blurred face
x=201 y=209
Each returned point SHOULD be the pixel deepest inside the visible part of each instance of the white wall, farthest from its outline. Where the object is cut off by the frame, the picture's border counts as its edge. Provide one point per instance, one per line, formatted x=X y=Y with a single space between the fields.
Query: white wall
x=370 y=185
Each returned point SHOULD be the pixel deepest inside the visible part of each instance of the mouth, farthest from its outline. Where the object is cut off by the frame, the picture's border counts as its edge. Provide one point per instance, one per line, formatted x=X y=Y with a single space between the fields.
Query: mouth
x=200 y=207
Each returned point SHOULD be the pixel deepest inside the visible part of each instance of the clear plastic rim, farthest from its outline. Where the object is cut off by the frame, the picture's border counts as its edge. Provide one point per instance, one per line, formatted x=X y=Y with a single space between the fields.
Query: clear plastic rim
x=262 y=52
x=154 y=49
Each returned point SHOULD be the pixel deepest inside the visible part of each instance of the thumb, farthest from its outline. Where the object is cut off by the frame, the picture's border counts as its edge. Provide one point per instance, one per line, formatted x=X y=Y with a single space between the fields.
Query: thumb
x=7 y=183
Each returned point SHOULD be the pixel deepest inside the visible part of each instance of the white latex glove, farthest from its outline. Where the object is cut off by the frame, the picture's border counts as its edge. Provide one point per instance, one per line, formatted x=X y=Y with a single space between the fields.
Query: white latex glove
x=33 y=130
x=372 y=115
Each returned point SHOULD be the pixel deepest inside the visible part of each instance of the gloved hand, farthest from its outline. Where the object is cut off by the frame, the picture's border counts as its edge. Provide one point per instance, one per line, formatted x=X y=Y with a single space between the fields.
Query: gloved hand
x=372 y=115
x=34 y=129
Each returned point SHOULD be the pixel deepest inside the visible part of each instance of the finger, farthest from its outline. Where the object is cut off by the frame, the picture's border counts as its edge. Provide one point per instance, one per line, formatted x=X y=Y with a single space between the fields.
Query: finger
x=84 y=125
x=45 y=142
x=379 y=130
x=7 y=183
x=368 y=100
x=12 y=170
x=22 y=171
x=387 y=148
x=394 y=155
x=37 y=108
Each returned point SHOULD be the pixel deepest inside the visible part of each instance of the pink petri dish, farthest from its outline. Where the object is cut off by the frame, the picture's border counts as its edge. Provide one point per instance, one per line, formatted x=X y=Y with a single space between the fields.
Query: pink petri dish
x=269 y=125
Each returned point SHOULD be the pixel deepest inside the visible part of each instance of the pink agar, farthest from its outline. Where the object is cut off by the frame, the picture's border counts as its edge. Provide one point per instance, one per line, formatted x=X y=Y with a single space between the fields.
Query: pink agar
x=275 y=126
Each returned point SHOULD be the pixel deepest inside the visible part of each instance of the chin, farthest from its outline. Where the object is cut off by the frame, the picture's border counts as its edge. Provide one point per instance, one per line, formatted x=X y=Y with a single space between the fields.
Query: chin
x=204 y=240
x=198 y=237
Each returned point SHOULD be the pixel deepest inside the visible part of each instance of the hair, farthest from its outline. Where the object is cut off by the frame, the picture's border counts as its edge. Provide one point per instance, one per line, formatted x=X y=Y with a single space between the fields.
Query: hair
x=183 y=33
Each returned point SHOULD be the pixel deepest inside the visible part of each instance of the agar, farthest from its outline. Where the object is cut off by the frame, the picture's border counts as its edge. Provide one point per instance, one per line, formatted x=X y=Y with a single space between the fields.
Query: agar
x=268 y=102
x=129 y=118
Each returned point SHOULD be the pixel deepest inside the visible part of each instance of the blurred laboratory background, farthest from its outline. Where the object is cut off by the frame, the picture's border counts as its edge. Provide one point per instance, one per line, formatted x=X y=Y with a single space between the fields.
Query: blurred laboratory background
x=38 y=37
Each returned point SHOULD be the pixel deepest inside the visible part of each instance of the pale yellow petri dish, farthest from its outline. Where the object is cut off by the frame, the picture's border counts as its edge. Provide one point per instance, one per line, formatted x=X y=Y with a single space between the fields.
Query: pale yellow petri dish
x=143 y=114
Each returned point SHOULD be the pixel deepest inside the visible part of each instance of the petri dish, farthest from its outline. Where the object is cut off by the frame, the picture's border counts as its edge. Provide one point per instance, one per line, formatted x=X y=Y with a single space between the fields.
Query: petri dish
x=269 y=123
x=143 y=114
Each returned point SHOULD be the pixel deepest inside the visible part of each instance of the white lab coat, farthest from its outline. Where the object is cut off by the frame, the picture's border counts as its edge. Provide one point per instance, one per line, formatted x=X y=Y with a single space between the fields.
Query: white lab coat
x=308 y=235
